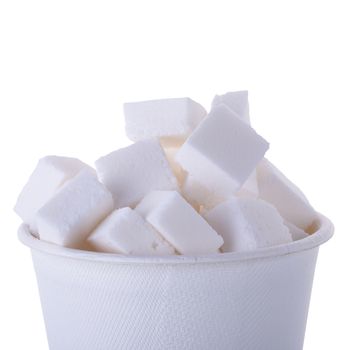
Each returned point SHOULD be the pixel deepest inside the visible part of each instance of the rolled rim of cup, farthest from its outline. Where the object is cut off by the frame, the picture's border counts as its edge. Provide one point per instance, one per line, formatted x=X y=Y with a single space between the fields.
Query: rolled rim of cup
x=323 y=233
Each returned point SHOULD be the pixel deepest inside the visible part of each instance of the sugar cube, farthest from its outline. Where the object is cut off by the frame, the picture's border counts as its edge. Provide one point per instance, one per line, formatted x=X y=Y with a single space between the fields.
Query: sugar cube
x=292 y=204
x=179 y=223
x=49 y=175
x=237 y=101
x=247 y=224
x=125 y=231
x=74 y=211
x=171 y=120
x=222 y=152
x=131 y=172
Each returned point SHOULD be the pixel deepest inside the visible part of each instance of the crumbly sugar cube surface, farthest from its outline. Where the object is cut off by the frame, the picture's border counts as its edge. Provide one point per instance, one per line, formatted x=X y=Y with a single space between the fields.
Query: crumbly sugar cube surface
x=177 y=221
x=48 y=176
x=125 y=231
x=237 y=101
x=74 y=211
x=277 y=189
x=247 y=224
x=170 y=120
x=222 y=152
x=131 y=172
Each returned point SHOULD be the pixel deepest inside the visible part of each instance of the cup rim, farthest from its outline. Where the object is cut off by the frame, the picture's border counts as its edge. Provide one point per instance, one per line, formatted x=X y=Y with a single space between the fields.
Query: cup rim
x=321 y=235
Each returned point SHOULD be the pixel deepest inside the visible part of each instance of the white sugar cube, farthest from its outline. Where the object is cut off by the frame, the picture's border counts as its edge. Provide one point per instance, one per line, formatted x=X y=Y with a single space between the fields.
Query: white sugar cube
x=125 y=231
x=49 y=175
x=222 y=152
x=292 y=204
x=247 y=224
x=131 y=172
x=296 y=232
x=74 y=211
x=170 y=120
x=170 y=153
x=179 y=223
x=237 y=101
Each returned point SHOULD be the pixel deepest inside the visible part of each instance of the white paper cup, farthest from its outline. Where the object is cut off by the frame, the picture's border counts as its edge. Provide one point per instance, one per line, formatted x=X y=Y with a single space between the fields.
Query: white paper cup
x=235 y=301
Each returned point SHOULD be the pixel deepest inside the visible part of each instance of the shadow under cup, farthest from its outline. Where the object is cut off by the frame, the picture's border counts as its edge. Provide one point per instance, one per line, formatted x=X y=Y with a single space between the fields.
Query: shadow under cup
x=230 y=301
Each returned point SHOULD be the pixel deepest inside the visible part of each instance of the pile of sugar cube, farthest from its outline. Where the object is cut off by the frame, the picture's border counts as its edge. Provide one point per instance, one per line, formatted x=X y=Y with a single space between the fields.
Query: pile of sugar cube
x=191 y=183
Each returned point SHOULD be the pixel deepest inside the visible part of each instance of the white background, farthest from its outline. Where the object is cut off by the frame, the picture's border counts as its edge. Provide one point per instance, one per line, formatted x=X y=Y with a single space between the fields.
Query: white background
x=66 y=67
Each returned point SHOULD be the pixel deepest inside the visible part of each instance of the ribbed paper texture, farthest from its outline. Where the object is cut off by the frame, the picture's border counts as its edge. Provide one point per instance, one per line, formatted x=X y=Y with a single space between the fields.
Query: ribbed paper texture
x=249 y=305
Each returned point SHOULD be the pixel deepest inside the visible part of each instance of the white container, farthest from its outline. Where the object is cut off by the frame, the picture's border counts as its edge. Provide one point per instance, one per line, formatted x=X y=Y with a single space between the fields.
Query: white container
x=232 y=301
